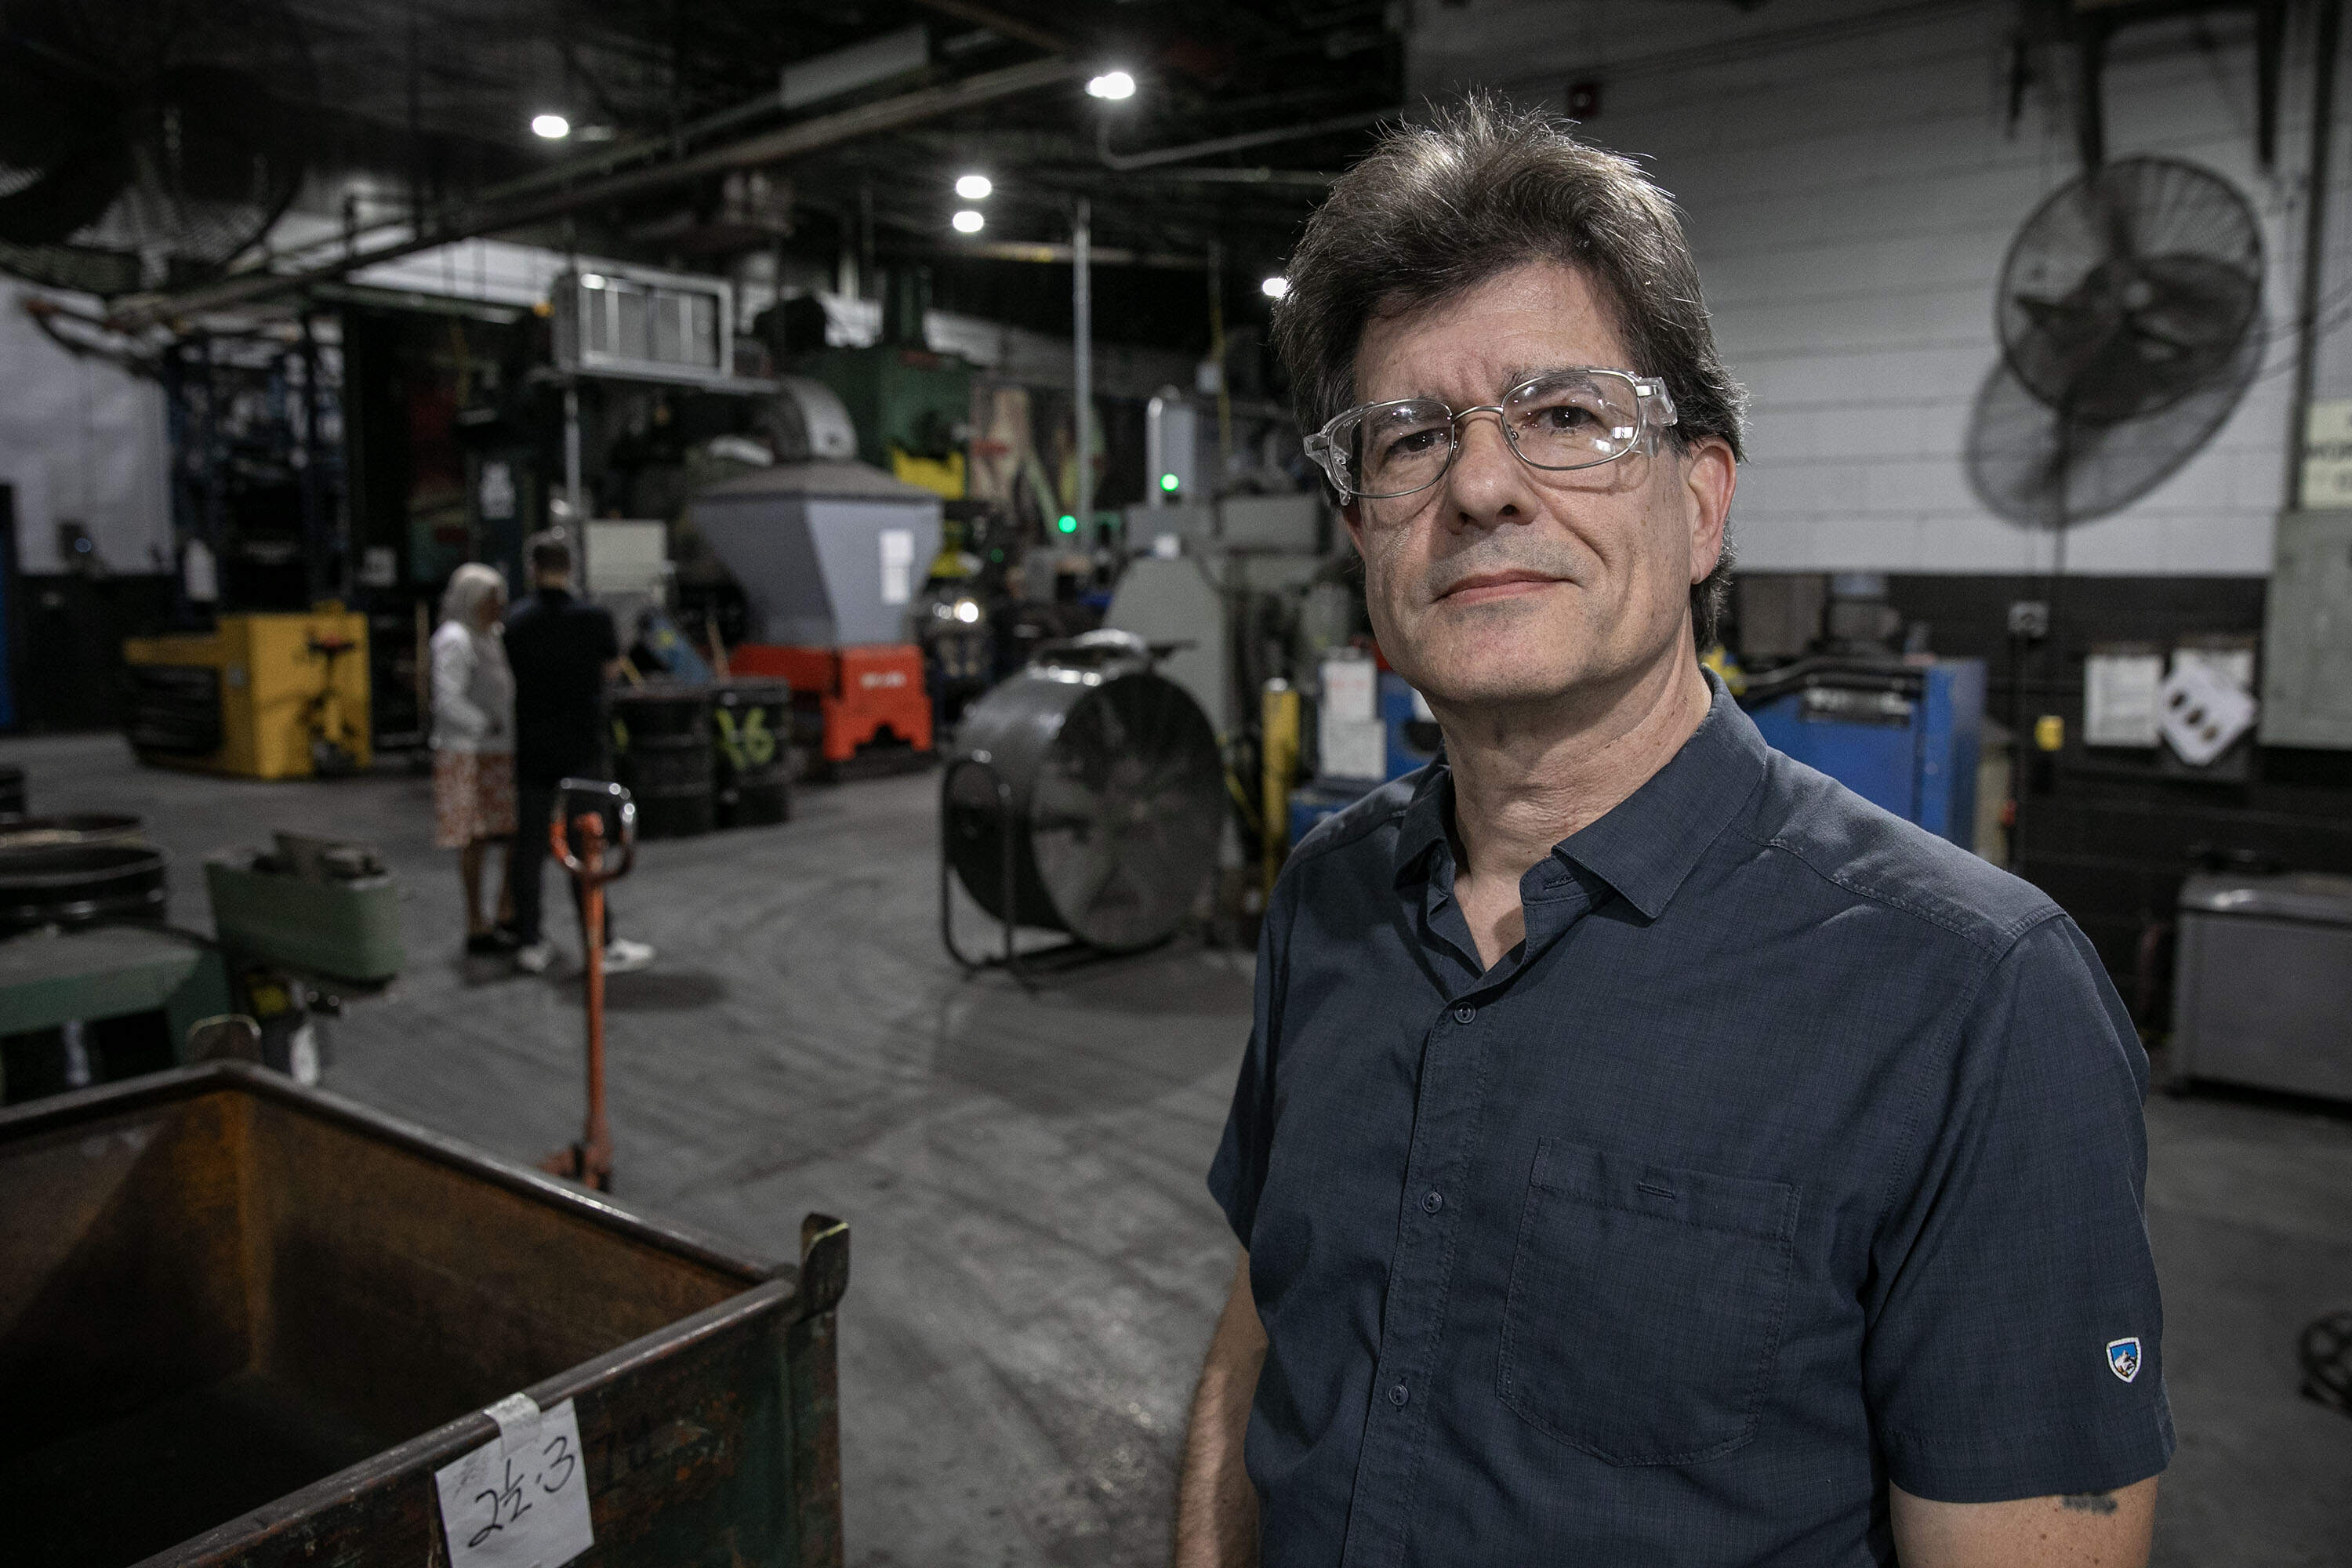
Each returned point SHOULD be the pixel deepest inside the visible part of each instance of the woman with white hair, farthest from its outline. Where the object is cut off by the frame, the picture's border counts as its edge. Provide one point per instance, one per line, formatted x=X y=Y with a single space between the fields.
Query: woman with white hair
x=473 y=742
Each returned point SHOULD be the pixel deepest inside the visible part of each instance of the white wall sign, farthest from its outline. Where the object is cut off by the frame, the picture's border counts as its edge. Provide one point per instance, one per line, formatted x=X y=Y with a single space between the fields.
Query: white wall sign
x=498 y=492
x=2327 y=455
x=1350 y=686
x=2204 y=710
x=2119 y=701
x=2235 y=664
x=1350 y=742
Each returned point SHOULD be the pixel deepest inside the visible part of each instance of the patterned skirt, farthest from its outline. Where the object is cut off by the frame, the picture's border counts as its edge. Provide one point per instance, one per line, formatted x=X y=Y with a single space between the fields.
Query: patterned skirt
x=473 y=798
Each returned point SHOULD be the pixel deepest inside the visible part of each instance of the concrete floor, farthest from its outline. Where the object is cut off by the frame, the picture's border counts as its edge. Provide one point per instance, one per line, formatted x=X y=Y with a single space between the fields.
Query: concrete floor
x=1036 y=1263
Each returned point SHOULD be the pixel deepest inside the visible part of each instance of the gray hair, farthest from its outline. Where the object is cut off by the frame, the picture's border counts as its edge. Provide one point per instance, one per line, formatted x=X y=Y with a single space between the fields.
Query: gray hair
x=470 y=586
x=1437 y=210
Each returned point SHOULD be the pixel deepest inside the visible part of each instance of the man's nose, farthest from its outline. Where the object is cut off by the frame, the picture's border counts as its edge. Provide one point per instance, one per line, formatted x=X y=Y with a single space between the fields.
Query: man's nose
x=1488 y=485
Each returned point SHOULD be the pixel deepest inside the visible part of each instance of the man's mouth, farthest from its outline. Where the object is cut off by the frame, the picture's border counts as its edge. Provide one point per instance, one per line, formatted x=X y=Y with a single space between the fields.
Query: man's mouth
x=1485 y=586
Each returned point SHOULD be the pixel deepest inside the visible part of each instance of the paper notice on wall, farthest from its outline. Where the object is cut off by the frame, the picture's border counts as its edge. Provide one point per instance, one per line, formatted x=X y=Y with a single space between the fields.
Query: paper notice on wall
x=2119 y=704
x=1349 y=689
x=1350 y=742
x=2235 y=664
x=498 y=492
x=2203 y=711
x=2327 y=455
x=1351 y=748
x=520 y=1501
x=897 y=565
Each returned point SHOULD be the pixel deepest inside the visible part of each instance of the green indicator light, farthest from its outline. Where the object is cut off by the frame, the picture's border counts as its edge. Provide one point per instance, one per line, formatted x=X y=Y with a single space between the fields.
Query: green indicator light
x=1068 y=524
x=1166 y=481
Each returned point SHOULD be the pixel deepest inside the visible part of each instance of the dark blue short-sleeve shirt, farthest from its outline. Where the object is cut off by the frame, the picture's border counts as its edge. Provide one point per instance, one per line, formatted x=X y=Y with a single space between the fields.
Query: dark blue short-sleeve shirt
x=1794 y=1153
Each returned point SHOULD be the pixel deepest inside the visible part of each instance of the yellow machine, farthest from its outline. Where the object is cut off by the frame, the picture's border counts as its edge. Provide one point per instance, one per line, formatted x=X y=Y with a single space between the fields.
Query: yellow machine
x=1279 y=720
x=281 y=695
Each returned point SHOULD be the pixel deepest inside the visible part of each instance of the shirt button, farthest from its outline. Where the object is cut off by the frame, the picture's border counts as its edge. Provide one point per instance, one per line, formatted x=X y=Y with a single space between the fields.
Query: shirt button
x=1397 y=1393
x=1465 y=1014
x=1433 y=1203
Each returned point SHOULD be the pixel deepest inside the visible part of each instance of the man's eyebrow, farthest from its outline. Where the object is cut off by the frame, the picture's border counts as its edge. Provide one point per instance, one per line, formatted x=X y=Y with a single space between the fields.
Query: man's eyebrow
x=1515 y=376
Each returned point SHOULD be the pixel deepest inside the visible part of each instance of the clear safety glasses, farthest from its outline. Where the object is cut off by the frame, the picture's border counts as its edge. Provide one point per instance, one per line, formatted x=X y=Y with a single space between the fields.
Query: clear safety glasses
x=1562 y=419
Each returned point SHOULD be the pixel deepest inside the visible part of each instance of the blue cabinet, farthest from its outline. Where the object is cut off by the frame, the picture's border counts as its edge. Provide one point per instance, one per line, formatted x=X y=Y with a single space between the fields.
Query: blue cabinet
x=1902 y=736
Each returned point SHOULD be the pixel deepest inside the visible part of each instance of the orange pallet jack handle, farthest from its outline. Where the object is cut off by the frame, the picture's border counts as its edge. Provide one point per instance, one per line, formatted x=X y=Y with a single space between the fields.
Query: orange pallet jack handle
x=591 y=1159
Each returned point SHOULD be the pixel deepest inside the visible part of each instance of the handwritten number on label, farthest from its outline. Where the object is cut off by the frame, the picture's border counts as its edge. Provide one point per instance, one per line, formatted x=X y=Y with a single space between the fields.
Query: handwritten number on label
x=484 y=1533
x=559 y=1457
x=507 y=1504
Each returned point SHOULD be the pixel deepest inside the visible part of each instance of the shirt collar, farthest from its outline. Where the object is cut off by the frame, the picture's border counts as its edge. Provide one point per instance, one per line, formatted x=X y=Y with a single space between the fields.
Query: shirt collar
x=1423 y=826
x=1647 y=844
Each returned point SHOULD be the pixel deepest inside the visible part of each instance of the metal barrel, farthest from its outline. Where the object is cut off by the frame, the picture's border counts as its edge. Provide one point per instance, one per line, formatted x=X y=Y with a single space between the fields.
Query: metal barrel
x=80 y=884
x=751 y=737
x=20 y=833
x=1118 y=799
x=662 y=736
x=11 y=791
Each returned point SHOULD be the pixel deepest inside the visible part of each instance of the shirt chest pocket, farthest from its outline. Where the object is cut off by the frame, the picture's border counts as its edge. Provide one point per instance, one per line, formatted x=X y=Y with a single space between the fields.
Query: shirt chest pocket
x=1646 y=1301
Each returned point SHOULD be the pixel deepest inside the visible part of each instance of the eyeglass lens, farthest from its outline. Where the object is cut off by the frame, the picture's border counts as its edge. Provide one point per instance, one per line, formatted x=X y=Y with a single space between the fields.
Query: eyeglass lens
x=1572 y=420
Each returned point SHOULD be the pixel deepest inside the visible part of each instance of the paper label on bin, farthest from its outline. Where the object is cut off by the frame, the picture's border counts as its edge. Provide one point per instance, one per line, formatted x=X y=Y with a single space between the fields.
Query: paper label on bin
x=520 y=1501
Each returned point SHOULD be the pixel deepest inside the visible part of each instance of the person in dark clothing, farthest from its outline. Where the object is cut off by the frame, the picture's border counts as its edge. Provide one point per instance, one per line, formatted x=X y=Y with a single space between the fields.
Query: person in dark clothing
x=564 y=651
x=1646 y=1150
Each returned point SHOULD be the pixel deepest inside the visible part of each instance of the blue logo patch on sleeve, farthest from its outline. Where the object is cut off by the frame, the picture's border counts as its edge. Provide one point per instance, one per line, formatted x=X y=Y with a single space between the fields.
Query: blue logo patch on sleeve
x=2123 y=1358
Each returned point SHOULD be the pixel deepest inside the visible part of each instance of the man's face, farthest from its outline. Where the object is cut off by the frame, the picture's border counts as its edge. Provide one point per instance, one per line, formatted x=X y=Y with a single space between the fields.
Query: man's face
x=1504 y=586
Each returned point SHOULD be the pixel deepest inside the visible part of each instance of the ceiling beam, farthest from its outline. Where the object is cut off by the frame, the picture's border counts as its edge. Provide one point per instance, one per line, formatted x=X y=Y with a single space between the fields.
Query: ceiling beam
x=1055 y=253
x=472 y=221
x=1001 y=22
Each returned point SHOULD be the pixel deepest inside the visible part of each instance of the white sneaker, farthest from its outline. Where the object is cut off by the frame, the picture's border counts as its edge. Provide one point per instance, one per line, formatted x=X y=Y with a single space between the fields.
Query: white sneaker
x=533 y=959
x=622 y=956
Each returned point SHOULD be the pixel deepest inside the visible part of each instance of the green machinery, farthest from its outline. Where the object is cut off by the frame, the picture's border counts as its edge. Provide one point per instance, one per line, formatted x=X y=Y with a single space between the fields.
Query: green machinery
x=912 y=407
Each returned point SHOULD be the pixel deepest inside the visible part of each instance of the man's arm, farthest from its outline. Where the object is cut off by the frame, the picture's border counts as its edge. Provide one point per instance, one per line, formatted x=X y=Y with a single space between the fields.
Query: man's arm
x=1216 y=1507
x=2084 y=1530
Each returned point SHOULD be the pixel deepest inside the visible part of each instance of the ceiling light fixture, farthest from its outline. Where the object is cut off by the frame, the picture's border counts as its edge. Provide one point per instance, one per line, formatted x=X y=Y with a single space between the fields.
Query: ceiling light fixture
x=968 y=222
x=973 y=187
x=554 y=127
x=1112 y=85
x=1276 y=288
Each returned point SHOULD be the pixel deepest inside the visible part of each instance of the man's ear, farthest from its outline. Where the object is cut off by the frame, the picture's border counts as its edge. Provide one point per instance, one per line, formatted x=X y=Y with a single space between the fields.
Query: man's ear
x=1709 y=474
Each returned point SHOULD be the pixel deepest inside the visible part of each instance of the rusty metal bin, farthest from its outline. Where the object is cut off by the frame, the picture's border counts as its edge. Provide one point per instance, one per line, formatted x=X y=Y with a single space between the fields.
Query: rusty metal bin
x=244 y=1322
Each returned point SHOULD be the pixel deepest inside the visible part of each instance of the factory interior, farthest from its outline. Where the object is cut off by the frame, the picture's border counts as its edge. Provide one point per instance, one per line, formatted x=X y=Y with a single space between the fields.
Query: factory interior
x=895 y=388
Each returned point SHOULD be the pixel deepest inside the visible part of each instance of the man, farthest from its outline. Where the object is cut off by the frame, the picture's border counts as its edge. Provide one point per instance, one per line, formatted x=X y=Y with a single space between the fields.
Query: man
x=564 y=651
x=1646 y=1151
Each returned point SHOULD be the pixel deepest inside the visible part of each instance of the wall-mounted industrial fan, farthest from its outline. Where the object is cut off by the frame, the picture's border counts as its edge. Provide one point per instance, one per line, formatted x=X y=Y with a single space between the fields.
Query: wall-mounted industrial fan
x=143 y=142
x=2130 y=320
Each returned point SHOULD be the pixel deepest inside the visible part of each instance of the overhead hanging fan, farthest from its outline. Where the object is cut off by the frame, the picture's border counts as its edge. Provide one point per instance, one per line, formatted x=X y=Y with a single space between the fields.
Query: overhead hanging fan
x=144 y=141
x=2130 y=314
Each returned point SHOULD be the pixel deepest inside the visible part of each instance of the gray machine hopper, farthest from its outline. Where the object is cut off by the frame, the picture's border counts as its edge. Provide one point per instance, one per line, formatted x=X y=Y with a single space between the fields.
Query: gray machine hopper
x=828 y=554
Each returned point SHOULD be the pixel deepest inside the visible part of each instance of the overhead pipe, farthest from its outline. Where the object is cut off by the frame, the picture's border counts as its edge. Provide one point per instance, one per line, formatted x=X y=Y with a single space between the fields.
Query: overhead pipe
x=1082 y=344
x=1053 y=253
x=470 y=222
x=1200 y=174
x=2324 y=47
x=1127 y=163
x=1000 y=21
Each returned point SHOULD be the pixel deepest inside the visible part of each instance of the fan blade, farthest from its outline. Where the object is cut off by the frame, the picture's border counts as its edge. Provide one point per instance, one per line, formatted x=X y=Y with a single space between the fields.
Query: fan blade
x=62 y=134
x=73 y=193
x=2113 y=192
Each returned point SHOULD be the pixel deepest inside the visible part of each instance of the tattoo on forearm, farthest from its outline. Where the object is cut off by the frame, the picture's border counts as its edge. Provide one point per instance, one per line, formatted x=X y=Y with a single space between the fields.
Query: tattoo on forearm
x=2089 y=1502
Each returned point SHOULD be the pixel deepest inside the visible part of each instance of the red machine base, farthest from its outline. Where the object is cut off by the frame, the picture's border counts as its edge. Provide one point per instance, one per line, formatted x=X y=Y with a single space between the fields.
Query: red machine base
x=868 y=700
